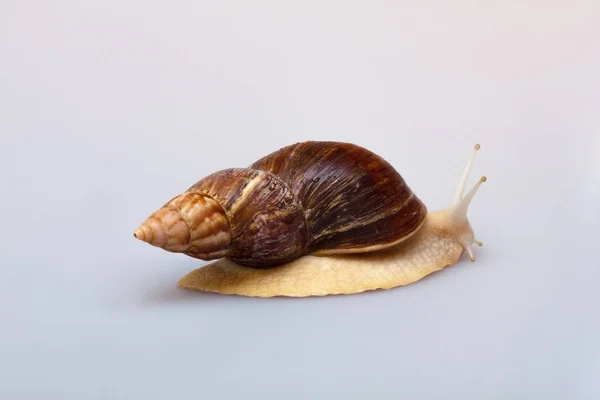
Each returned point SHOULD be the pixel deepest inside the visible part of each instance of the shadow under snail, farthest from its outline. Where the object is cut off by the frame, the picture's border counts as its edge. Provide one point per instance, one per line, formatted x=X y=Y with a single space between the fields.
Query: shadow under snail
x=311 y=219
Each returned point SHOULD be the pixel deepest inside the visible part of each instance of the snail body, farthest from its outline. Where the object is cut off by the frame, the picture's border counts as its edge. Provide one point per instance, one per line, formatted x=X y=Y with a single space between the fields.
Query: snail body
x=313 y=218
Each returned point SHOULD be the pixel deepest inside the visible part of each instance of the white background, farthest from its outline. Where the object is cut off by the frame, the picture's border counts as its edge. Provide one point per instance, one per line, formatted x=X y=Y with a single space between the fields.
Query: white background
x=109 y=108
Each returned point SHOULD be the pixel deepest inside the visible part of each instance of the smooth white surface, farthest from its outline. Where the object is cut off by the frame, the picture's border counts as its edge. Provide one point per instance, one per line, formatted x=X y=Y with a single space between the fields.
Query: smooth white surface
x=109 y=108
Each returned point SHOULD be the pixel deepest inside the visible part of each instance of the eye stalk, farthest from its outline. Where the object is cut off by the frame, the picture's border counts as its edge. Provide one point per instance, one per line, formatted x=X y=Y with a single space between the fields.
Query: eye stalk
x=459 y=207
x=460 y=190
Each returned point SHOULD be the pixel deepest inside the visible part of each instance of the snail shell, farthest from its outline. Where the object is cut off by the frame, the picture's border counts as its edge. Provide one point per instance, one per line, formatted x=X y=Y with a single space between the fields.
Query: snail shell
x=307 y=198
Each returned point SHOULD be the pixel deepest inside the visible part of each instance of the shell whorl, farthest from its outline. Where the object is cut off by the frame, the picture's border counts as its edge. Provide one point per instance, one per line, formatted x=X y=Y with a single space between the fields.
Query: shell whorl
x=354 y=200
x=268 y=225
x=190 y=223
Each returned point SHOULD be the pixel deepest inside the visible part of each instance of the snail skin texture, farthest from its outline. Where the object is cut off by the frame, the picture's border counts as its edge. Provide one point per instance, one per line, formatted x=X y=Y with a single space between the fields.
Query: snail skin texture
x=311 y=219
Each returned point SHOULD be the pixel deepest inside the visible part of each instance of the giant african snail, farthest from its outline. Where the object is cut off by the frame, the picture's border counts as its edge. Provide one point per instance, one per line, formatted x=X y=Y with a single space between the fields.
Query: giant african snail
x=313 y=218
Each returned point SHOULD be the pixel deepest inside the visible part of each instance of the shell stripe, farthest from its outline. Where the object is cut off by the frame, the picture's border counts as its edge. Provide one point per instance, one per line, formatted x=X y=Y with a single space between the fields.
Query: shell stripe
x=243 y=194
x=207 y=224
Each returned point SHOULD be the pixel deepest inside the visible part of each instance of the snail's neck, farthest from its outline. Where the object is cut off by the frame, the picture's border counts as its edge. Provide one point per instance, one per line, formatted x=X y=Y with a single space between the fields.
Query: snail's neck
x=445 y=222
x=443 y=226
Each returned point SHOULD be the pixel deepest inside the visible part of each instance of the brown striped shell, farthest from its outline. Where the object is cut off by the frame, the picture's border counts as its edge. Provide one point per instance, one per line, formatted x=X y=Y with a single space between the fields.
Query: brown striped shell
x=307 y=198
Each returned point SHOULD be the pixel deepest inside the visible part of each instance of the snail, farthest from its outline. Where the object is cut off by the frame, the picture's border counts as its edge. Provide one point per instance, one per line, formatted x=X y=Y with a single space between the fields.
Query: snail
x=311 y=219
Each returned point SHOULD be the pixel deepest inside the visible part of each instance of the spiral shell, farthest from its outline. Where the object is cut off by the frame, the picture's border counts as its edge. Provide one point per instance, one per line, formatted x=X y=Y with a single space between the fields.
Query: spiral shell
x=266 y=221
x=307 y=198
